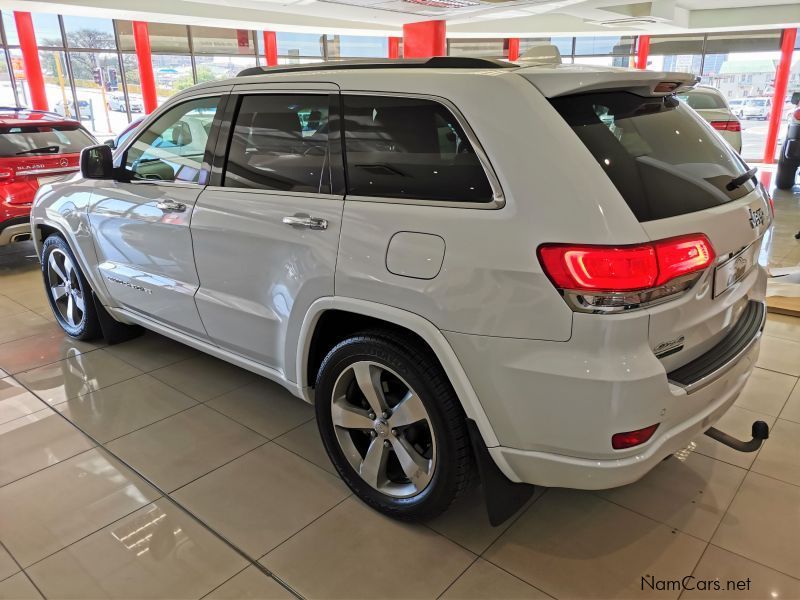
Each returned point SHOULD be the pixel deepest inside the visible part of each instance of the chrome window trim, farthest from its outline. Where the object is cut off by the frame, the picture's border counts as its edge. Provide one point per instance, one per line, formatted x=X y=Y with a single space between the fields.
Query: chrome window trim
x=498 y=198
x=262 y=192
x=73 y=169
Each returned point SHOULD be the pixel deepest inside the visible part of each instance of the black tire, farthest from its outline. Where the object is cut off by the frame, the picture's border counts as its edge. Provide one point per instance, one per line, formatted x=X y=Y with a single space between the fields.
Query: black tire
x=87 y=327
x=785 y=174
x=453 y=468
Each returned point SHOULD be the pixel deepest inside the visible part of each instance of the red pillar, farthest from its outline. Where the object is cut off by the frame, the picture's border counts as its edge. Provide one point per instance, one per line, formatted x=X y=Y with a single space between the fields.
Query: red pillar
x=141 y=41
x=30 y=59
x=424 y=39
x=781 y=83
x=394 y=47
x=271 y=48
x=643 y=51
x=513 y=49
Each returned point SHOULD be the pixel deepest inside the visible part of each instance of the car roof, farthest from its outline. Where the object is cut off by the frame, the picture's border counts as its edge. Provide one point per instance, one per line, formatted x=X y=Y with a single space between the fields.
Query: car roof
x=11 y=116
x=552 y=79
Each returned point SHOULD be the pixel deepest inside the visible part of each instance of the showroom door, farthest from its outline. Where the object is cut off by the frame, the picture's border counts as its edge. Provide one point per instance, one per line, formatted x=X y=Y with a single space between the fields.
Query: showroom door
x=141 y=224
x=266 y=232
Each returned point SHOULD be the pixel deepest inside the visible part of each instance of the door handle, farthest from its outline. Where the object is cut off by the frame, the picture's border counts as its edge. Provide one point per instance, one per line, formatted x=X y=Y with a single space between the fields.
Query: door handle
x=171 y=206
x=306 y=221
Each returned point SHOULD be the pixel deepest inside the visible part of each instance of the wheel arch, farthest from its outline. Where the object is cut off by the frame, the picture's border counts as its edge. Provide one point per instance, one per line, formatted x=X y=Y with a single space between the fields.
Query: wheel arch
x=344 y=312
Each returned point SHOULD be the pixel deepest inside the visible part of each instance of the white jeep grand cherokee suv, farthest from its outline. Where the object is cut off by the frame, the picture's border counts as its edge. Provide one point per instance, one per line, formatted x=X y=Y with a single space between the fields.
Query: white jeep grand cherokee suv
x=540 y=274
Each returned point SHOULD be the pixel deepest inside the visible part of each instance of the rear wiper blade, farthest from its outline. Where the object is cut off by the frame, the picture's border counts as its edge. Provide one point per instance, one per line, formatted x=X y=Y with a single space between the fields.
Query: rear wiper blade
x=43 y=150
x=739 y=181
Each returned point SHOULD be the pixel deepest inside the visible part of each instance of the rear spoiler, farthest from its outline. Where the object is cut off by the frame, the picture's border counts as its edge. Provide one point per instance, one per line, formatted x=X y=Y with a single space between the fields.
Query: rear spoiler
x=576 y=79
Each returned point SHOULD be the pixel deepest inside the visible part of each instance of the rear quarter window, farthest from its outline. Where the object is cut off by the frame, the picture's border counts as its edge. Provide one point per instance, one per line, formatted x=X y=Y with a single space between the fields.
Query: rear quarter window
x=661 y=156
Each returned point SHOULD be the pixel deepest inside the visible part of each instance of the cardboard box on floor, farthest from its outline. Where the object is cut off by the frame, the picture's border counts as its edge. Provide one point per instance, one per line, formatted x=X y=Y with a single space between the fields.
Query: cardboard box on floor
x=783 y=291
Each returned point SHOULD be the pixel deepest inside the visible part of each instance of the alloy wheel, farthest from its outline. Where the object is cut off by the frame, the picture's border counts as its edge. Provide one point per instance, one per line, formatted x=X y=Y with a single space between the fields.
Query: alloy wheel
x=383 y=429
x=65 y=288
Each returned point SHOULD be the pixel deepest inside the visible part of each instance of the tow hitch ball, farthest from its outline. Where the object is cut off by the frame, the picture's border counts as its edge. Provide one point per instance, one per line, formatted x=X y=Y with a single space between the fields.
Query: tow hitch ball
x=760 y=433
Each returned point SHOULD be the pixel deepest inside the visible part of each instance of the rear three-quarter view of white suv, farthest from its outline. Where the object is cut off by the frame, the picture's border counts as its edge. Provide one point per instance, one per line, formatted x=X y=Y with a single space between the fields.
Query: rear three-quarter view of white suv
x=560 y=298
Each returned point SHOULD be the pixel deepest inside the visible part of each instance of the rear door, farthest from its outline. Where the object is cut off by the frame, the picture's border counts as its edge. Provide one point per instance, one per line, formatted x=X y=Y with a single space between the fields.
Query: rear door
x=141 y=224
x=679 y=178
x=266 y=231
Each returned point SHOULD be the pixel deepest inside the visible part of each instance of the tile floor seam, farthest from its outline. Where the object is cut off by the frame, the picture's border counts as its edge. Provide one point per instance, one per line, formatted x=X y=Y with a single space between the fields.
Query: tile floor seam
x=49 y=363
x=766 y=566
x=250 y=428
x=775 y=371
x=54 y=464
x=156 y=368
x=83 y=537
x=21 y=570
x=317 y=518
x=148 y=425
x=227 y=462
x=672 y=527
x=165 y=495
x=459 y=576
x=238 y=387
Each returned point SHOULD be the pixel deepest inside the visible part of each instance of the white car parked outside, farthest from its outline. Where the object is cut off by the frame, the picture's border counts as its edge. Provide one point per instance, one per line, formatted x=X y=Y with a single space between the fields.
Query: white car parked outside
x=712 y=106
x=540 y=275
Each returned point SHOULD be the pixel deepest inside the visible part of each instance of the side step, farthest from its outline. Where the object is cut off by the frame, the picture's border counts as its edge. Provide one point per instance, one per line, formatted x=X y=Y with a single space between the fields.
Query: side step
x=760 y=433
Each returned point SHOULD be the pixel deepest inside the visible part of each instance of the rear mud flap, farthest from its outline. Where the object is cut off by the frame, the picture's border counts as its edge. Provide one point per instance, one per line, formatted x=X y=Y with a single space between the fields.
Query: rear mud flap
x=503 y=497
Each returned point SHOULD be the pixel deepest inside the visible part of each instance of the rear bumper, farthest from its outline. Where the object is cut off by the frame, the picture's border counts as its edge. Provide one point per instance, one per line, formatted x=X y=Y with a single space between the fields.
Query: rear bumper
x=554 y=470
x=554 y=406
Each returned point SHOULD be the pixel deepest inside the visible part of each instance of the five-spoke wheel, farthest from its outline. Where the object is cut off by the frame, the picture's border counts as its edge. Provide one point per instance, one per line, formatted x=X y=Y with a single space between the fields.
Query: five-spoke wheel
x=65 y=288
x=68 y=290
x=383 y=429
x=392 y=425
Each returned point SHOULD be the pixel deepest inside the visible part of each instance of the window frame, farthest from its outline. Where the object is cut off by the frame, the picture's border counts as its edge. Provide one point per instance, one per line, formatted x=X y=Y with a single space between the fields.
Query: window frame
x=120 y=158
x=498 y=198
x=225 y=139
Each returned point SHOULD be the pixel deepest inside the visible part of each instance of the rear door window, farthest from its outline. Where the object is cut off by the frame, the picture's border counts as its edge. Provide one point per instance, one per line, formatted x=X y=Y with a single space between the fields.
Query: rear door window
x=661 y=156
x=702 y=100
x=412 y=148
x=280 y=142
x=33 y=140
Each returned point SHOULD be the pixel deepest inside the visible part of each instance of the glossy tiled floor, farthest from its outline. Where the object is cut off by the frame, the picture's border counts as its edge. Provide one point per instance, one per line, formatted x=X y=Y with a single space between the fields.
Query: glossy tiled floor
x=147 y=470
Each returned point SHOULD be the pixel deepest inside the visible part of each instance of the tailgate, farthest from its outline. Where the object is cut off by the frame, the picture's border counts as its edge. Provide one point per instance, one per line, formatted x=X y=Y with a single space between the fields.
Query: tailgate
x=683 y=329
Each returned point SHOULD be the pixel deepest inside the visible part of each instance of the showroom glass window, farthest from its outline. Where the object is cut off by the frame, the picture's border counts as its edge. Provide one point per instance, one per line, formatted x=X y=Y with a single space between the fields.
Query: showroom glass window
x=410 y=148
x=221 y=53
x=173 y=148
x=280 y=142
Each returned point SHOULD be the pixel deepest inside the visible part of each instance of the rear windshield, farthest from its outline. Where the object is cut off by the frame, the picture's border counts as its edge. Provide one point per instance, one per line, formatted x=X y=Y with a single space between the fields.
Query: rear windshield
x=702 y=100
x=32 y=140
x=756 y=102
x=661 y=156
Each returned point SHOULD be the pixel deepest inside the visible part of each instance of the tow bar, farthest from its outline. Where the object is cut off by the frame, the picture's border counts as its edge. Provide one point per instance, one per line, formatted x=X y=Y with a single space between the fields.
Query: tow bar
x=760 y=433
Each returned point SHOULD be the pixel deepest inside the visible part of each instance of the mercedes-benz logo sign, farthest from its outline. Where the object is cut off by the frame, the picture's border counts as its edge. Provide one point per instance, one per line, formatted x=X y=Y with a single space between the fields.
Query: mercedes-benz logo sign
x=64 y=162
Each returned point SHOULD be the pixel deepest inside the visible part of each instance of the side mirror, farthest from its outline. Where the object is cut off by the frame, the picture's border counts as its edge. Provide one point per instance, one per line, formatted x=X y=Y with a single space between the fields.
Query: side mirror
x=796 y=98
x=97 y=162
x=112 y=143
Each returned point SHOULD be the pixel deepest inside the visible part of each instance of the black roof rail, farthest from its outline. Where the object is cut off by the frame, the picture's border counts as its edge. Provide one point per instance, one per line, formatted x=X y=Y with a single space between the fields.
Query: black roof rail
x=437 y=62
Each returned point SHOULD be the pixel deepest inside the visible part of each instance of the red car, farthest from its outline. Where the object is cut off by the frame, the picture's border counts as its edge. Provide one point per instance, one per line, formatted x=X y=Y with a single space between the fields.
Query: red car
x=36 y=147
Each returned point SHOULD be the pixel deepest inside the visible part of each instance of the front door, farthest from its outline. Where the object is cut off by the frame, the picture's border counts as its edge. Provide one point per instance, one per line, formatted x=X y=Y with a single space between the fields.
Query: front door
x=266 y=235
x=141 y=224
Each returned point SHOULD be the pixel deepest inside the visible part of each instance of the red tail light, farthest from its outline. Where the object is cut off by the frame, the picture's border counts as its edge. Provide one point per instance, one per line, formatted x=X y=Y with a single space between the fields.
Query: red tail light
x=796 y=115
x=628 y=439
x=625 y=268
x=726 y=125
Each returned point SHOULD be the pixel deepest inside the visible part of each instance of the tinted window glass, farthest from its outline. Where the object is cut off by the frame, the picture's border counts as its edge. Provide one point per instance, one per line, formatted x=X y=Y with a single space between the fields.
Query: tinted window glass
x=410 y=148
x=32 y=140
x=174 y=146
x=662 y=157
x=280 y=142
